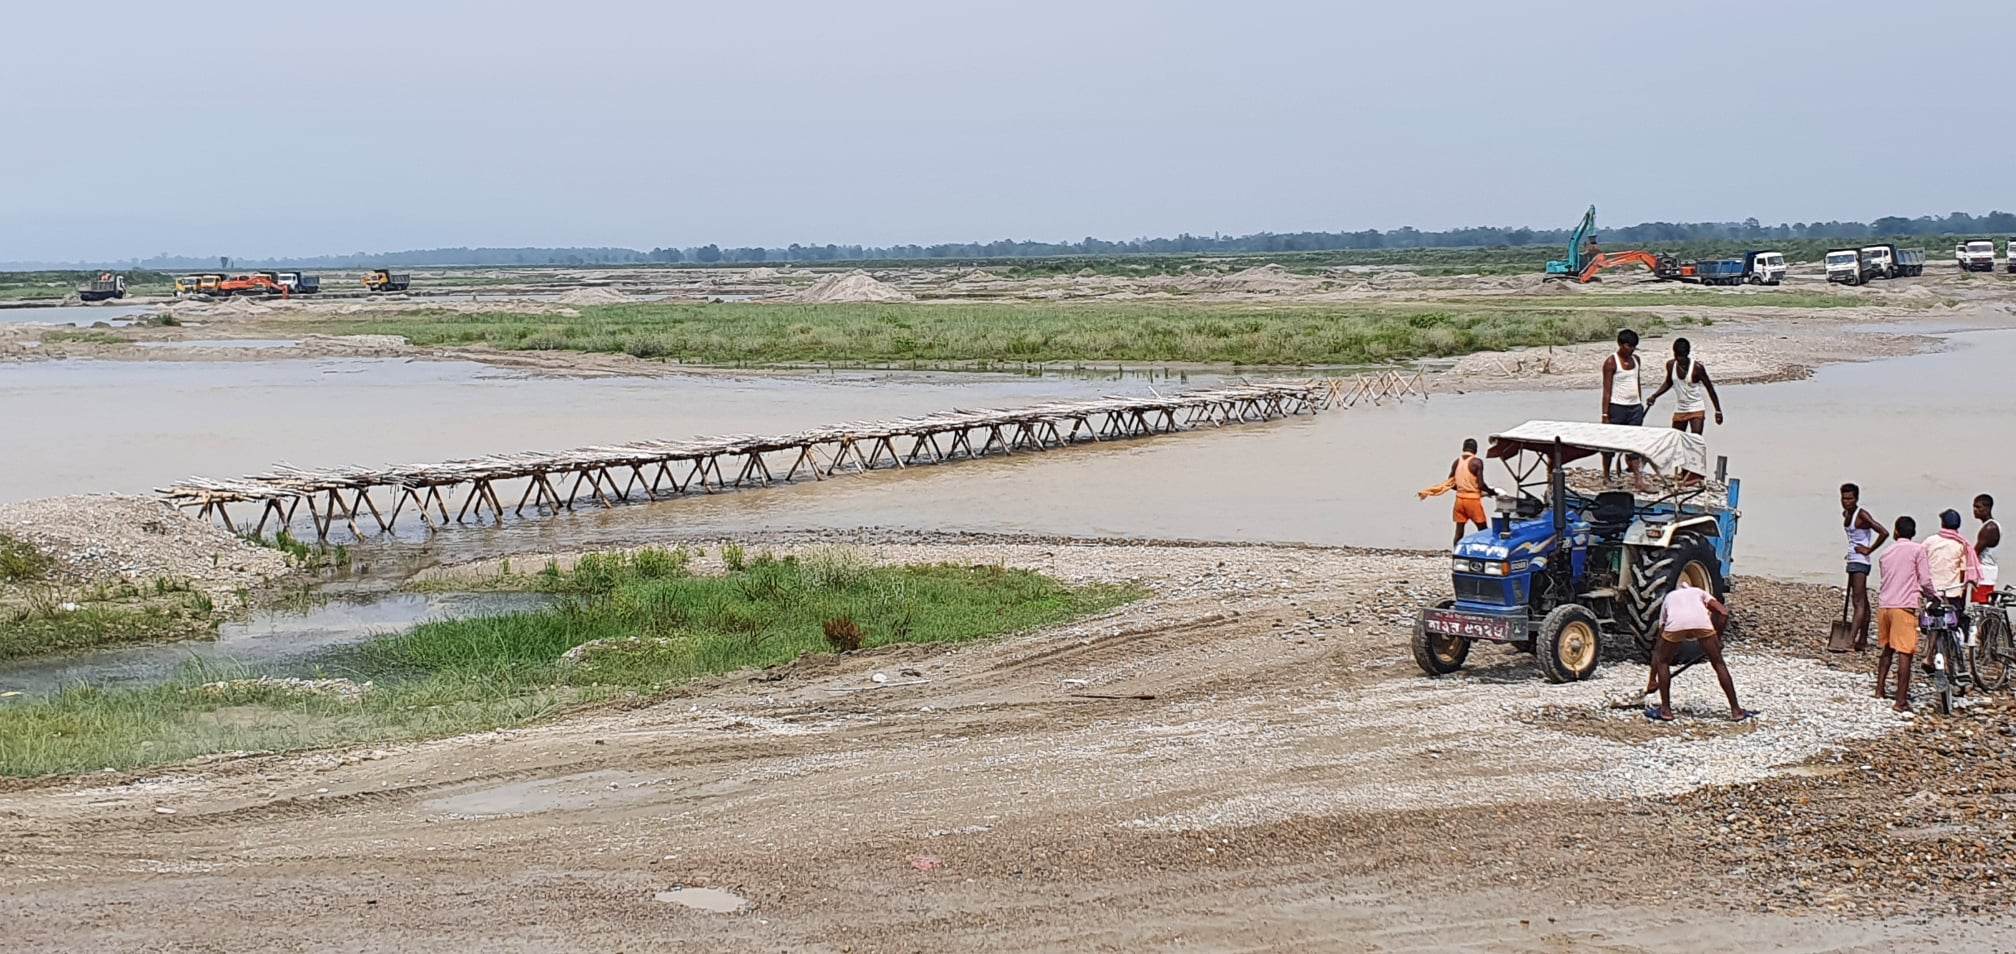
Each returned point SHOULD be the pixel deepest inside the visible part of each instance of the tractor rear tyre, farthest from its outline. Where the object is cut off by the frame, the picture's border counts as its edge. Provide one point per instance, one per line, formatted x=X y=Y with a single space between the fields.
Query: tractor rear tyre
x=1656 y=572
x=1436 y=654
x=1569 y=645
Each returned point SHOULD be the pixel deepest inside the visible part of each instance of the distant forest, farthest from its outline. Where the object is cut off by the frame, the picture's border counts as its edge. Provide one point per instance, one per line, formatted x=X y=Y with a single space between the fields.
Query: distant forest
x=1644 y=233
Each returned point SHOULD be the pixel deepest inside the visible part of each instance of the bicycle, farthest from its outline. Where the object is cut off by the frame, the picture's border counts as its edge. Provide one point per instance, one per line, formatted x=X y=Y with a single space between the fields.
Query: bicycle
x=1940 y=624
x=1993 y=655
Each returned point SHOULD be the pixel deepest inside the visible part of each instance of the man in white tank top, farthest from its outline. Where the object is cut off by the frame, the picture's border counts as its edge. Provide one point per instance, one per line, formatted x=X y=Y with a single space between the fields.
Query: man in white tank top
x=1985 y=543
x=1692 y=390
x=1623 y=396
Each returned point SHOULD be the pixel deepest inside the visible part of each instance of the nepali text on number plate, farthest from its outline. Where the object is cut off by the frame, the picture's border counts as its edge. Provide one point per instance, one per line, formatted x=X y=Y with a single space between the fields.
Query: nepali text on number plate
x=1471 y=627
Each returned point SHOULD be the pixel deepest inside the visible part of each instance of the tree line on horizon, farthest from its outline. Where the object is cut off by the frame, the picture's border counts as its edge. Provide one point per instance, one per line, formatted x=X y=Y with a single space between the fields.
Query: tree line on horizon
x=1996 y=223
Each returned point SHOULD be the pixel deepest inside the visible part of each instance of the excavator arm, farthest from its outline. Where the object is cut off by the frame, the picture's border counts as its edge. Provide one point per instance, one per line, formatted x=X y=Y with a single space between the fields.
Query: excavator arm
x=1607 y=260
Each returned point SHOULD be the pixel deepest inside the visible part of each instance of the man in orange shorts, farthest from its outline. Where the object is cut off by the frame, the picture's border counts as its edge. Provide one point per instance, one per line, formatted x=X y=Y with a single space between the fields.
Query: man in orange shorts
x=1466 y=477
x=1906 y=584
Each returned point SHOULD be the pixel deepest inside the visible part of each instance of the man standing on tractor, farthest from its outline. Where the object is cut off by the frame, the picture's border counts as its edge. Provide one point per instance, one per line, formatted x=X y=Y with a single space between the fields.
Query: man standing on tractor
x=1906 y=584
x=1688 y=381
x=1623 y=397
x=1690 y=614
x=1466 y=477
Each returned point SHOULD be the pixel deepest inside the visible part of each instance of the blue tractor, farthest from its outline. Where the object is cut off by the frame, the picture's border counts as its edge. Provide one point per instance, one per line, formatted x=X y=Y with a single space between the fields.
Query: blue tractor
x=1559 y=576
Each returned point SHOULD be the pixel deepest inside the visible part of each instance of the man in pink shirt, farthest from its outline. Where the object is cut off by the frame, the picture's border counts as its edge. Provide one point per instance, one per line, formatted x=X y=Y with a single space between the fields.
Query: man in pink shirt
x=1906 y=584
x=1690 y=614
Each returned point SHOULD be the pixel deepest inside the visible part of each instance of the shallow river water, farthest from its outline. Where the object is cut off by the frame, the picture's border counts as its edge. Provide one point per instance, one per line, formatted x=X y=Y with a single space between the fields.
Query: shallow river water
x=1919 y=433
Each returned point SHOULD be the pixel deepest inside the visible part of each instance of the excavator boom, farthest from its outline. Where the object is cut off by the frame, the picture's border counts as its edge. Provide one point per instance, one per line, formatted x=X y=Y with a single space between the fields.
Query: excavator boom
x=1608 y=260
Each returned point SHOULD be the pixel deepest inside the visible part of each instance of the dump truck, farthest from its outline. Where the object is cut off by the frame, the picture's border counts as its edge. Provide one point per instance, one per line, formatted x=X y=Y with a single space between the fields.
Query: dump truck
x=2009 y=247
x=382 y=280
x=1763 y=267
x=1845 y=265
x=1889 y=261
x=299 y=283
x=106 y=285
x=1720 y=271
x=1977 y=256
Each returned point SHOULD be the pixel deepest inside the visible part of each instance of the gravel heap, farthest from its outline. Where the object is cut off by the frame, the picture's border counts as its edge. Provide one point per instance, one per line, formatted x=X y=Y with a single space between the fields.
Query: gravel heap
x=1919 y=821
x=109 y=538
x=341 y=690
x=854 y=286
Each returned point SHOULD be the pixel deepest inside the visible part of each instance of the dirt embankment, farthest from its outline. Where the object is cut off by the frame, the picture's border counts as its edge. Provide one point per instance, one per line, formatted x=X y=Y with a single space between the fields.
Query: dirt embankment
x=1247 y=758
x=109 y=539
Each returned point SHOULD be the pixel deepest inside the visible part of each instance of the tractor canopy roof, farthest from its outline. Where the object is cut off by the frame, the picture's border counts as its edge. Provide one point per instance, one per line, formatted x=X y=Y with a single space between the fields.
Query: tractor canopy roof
x=1667 y=450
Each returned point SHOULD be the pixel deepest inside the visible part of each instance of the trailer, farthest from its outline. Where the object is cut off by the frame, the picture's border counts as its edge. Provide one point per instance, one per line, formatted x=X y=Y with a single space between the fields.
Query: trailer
x=1721 y=271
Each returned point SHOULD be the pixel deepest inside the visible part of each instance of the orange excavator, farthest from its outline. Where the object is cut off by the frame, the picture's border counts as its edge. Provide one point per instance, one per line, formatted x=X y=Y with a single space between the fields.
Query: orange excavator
x=260 y=283
x=1661 y=266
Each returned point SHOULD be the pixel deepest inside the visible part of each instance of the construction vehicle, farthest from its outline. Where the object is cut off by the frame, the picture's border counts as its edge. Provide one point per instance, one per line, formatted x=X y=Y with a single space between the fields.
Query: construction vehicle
x=2009 y=248
x=1763 y=268
x=1845 y=265
x=1975 y=256
x=1889 y=261
x=258 y=283
x=382 y=280
x=1719 y=271
x=299 y=283
x=106 y=285
x=1573 y=266
x=1558 y=576
x=186 y=285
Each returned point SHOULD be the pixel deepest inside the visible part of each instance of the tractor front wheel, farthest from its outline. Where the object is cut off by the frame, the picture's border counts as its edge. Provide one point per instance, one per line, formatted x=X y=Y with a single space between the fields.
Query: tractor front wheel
x=1569 y=645
x=1436 y=654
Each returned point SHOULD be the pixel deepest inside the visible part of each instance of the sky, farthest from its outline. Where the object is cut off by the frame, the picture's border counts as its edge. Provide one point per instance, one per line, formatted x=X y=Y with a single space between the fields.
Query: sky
x=261 y=129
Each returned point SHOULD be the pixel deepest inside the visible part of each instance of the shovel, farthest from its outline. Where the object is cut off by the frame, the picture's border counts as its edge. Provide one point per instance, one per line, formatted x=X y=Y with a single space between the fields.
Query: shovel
x=1841 y=633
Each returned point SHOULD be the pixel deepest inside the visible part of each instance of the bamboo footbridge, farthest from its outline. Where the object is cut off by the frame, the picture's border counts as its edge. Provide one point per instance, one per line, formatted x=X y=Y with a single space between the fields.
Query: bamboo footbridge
x=371 y=500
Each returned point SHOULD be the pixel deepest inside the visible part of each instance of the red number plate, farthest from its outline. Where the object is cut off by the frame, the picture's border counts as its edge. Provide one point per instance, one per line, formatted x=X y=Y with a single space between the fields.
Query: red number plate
x=1449 y=623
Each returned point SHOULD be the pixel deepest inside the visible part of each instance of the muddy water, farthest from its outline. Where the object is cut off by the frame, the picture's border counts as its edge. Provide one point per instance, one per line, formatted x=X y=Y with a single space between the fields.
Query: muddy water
x=124 y=426
x=1341 y=478
x=1349 y=477
x=80 y=315
x=272 y=640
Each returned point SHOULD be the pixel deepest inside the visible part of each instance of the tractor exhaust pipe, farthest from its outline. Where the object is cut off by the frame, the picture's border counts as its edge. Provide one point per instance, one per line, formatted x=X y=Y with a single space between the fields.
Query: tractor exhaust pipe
x=1557 y=488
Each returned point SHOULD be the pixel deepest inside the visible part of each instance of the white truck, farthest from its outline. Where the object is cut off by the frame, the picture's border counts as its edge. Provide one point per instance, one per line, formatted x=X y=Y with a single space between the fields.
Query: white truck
x=1844 y=265
x=1763 y=267
x=1977 y=256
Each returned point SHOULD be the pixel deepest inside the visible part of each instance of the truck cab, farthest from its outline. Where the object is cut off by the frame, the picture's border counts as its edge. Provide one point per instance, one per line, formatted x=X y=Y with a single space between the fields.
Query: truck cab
x=1844 y=265
x=1764 y=268
x=1977 y=256
x=1878 y=261
x=2009 y=250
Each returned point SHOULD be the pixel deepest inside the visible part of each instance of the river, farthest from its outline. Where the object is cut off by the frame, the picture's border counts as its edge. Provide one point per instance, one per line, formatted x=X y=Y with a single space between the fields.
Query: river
x=1919 y=433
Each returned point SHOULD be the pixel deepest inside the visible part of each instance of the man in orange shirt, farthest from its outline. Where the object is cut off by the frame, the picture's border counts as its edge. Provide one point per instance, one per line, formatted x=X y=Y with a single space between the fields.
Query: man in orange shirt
x=1466 y=477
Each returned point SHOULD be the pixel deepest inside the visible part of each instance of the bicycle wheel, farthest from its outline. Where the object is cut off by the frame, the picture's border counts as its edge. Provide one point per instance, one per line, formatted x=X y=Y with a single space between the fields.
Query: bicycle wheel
x=1942 y=677
x=1994 y=652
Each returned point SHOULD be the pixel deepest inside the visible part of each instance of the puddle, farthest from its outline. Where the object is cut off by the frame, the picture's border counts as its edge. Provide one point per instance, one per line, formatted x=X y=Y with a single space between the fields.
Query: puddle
x=597 y=789
x=276 y=641
x=249 y=343
x=711 y=900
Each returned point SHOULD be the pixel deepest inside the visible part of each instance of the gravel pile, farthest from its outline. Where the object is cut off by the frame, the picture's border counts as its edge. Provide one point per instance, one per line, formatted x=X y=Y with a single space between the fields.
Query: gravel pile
x=1919 y=821
x=342 y=690
x=109 y=539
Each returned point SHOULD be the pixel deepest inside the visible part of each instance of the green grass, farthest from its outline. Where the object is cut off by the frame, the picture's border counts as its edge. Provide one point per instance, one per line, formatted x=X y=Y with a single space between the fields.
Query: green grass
x=94 y=336
x=953 y=334
x=459 y=676
x=21 y=562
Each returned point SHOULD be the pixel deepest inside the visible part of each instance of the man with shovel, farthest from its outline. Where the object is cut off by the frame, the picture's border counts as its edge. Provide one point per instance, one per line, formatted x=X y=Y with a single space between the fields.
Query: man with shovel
x=1690 y=615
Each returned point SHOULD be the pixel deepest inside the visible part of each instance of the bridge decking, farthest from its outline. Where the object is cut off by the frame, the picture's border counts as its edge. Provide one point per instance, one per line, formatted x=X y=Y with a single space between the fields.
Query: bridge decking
x=352 y=496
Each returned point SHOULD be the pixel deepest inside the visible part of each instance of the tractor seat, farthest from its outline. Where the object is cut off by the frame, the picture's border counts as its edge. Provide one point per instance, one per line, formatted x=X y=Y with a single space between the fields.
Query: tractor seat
x=1612 y=512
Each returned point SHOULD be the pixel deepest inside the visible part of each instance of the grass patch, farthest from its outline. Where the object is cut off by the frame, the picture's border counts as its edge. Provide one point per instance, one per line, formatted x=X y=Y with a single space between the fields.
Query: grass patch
x=88 y=336
x=941 y=334
x=459 y=676
x=309 y=555
x=45 y=622
x=20 y=562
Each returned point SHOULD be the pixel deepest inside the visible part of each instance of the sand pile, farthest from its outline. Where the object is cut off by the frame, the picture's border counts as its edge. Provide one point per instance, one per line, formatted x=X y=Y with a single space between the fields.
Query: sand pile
x=1269 y=279
x=853 y=286
x=592 y=296
x=760 y=274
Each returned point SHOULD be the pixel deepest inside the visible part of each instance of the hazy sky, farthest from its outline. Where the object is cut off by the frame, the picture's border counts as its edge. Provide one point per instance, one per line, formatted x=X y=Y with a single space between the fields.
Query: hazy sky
x=272 y=129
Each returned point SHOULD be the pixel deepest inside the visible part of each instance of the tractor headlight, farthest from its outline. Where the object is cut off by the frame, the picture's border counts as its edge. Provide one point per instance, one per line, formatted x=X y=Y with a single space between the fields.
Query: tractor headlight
x=1486 y=567
x=1494 y=568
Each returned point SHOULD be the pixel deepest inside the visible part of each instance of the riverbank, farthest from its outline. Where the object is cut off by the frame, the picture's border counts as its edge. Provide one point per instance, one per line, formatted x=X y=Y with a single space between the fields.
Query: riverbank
x=1251 y=731
x=631 y=627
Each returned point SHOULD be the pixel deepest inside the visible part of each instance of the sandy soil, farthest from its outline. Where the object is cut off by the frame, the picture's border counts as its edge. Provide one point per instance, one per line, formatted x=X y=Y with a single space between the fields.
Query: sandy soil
x=1246 y=760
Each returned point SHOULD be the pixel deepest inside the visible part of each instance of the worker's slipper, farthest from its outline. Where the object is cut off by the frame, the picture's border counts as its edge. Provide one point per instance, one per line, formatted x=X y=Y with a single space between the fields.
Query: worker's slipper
x=1748 y=714
x=1653 y=715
